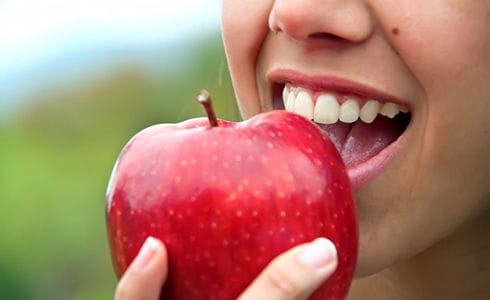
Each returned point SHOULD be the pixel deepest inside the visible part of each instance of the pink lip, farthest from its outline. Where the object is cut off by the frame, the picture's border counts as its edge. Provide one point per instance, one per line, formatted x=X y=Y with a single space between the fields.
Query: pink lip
x=361 y=174
x=333 y=84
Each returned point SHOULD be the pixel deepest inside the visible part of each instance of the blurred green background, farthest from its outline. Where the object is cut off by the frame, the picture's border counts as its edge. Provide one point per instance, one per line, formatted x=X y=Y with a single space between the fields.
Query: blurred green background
x=57 y=148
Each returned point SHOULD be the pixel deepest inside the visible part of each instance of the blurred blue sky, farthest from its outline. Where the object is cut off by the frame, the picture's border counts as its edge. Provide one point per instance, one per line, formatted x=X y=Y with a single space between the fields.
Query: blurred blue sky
x=42 y=36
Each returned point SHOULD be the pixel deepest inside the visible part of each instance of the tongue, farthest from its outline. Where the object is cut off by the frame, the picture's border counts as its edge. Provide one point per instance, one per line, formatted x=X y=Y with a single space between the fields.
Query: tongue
x=359 y=142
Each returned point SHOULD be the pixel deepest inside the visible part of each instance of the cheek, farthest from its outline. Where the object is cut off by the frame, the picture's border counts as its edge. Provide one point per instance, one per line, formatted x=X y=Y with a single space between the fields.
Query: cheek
x=245 y=26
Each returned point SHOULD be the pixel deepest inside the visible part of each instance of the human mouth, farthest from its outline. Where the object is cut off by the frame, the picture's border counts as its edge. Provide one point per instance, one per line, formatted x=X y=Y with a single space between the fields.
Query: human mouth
x=366 y=127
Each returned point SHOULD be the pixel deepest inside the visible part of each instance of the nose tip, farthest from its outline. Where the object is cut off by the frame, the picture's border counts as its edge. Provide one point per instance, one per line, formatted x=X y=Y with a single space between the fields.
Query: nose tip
x=303 y=20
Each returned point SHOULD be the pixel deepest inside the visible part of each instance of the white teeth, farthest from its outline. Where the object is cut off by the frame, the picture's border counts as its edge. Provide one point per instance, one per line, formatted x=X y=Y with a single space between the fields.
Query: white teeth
x=369 y=111
x=326 y=109
x=304 y=105
x=290 y=102
x=349 y=111
x=285 y=95
x=389 y=110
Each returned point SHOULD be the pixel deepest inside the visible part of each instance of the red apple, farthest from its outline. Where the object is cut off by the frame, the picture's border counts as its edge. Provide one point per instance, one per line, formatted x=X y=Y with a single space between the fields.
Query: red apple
x=228 y=198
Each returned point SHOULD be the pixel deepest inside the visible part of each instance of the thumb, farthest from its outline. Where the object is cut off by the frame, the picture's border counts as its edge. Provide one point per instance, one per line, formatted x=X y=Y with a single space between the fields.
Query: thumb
x=145 y=276
x=296 y=273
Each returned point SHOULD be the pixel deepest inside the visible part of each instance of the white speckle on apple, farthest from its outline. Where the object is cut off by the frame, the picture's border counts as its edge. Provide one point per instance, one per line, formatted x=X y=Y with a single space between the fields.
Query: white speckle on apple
x=251 y=158
x=119 y=213
x=309 y=150
x=270 y=145
x=239 y=188
x=245 y=182
x=249 y=142
x=332 y=226
x=268 y=182
x=226 y=165
x=215 y=144
x=226 y=242
x=183 y=162
x=232 y=197
x=171 y=212
x=283 y=213
x=281 y=194
x=298 y=213
x=193 y=161
x=238 y=158
x=256 y=193
x=255 y=213
x=180 y=216
x=204 y=144
x=213 y=225
x=264 y=159
x=125 y=239
x=177 y=179
x=239 y=213
x=282 y=229
x=214 y=158
x=247 y=235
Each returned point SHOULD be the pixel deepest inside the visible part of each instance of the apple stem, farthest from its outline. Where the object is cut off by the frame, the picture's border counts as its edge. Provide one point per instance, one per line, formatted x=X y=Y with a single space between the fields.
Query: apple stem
x=205 y=100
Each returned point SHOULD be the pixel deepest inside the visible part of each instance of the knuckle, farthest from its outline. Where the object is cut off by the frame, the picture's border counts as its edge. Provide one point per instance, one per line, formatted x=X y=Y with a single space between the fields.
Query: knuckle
x=279 y=280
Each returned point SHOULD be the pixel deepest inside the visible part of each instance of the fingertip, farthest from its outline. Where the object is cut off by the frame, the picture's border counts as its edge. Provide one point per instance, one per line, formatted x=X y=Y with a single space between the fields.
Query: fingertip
x=319 y=255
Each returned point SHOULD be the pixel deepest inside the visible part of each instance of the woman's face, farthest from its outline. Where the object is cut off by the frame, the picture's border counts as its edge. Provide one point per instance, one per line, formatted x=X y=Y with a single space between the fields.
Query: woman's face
x=414 y=184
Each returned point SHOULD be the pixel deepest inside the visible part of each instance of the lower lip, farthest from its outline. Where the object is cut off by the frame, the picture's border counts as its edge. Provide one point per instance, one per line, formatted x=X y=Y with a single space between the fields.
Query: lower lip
x=363 y=173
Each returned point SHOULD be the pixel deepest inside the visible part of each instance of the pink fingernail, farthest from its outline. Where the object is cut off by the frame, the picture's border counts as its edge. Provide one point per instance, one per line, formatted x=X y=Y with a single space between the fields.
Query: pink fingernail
x=147 y=252
x=318 y=254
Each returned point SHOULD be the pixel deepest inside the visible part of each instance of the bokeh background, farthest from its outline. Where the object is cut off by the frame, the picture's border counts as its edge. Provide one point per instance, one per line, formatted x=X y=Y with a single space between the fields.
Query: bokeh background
x=77 y=80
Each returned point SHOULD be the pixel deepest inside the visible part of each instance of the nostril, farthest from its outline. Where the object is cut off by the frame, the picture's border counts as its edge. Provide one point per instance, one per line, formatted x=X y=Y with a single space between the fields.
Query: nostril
x=325 y=36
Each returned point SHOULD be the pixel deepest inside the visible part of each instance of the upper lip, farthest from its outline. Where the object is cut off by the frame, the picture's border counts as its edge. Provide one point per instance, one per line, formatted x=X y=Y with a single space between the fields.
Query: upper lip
x=331 y=84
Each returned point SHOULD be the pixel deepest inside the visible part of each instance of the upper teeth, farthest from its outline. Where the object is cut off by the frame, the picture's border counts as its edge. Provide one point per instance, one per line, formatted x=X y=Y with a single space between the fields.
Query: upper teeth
x=327 y=110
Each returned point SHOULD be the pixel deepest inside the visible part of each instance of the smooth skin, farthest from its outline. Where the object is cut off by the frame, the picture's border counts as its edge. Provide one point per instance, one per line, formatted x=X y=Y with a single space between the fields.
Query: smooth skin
x=425 y=220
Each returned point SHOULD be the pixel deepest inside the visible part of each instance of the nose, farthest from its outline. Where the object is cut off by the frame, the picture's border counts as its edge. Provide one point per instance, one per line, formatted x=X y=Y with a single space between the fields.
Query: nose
x=304 y=20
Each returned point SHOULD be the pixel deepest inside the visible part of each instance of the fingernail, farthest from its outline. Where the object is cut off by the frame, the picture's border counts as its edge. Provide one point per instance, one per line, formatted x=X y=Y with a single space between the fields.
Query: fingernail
x=318 y=254
x=147 y=252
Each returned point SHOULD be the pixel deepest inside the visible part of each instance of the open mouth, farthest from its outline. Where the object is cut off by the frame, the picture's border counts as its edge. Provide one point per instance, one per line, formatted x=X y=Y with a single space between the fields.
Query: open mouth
x=363 y=129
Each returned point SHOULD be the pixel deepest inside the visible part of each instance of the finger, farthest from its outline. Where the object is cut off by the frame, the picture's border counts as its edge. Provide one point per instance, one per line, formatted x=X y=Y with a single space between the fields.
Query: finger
x=145 y=276
x=295 y=274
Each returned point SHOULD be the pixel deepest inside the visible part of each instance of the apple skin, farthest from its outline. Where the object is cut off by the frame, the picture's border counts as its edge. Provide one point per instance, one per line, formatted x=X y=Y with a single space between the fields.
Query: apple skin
x=226 y=200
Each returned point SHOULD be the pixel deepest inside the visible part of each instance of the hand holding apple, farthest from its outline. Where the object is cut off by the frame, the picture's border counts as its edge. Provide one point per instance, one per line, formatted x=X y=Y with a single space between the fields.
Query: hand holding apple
x=226 y=198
